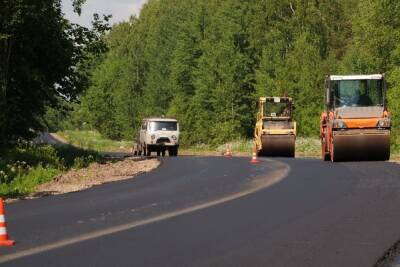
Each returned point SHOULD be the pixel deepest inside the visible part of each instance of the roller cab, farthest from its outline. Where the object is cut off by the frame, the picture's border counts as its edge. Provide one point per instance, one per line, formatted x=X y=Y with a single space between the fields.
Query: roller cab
x=275 y=131
x=356 y=124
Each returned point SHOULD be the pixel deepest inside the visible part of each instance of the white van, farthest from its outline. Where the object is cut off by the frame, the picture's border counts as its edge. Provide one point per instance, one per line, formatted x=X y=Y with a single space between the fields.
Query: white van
x=159 y=135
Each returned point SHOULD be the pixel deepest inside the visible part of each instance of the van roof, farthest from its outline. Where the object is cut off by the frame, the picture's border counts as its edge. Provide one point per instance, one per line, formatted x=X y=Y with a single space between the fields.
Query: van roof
x=160 y=119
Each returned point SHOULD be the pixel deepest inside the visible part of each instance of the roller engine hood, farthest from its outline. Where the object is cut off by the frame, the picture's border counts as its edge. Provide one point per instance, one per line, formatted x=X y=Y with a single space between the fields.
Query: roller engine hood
x=359 y=112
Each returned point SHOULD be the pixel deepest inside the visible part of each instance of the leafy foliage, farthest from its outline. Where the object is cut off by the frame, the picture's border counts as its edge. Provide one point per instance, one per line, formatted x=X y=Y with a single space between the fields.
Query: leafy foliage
x=24 y=167
x=44 y=61
x=376 y=48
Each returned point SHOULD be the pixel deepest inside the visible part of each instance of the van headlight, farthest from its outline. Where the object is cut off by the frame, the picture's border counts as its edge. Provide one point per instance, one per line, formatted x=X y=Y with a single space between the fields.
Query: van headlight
x=174 y=137
x=153 y=137
x=383 y=123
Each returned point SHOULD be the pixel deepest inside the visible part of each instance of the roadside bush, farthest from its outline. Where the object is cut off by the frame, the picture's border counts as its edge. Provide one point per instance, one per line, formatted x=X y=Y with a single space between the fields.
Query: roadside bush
x=24 y=167
x=83 y=162
x=24 y=184
x=32 y=155
x=69 y=155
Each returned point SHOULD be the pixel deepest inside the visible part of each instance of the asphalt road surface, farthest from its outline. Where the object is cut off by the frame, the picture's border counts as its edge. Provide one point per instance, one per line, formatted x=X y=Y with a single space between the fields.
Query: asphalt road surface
x=215 y=211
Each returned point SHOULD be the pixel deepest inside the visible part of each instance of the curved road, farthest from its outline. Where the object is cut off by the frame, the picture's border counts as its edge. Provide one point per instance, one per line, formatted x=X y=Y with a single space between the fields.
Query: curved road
x=215 y=211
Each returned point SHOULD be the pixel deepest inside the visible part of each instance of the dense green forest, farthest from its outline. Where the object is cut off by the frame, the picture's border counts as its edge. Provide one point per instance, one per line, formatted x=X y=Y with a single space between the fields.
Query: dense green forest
x=206 y=62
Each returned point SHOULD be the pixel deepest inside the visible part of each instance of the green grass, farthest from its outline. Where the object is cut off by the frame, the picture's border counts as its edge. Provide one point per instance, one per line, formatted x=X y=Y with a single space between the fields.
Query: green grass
x=24 y=167
x=25 y=184
x=94 y=141
x=305 y=147
x=308 y=147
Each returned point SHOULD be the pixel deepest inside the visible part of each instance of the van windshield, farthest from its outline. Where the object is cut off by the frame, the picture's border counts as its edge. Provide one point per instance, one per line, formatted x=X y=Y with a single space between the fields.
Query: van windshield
x=163 y=126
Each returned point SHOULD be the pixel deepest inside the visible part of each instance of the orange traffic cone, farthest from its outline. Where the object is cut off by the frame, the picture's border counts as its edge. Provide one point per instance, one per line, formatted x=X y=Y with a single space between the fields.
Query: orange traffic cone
x=4 y=241
x=228 y=152
x=254 y=156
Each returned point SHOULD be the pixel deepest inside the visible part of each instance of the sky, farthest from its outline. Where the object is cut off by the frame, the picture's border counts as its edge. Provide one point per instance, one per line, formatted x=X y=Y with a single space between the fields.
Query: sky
x=120 y=9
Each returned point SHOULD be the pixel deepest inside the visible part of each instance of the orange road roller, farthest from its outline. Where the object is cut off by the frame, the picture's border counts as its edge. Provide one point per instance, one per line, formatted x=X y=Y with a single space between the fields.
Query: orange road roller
x=356 y=122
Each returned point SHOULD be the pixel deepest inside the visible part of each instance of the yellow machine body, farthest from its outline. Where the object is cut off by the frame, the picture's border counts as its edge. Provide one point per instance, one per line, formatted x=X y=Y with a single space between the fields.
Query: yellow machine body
x=275 y=131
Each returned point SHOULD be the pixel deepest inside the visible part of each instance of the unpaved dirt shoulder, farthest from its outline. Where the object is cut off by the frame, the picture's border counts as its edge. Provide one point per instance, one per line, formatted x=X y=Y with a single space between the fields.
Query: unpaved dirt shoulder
x=96 y=174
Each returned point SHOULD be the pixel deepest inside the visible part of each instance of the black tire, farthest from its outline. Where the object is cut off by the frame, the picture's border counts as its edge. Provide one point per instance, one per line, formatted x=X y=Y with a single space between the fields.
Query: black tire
x=147 y=151
x=163 y=153
x=325 y=156
x=158 y=152
x=332 y=154
x=173 y=152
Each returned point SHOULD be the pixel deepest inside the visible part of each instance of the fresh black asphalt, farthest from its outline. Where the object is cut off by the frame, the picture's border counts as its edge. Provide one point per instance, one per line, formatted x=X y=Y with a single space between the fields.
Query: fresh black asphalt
x=321 y=214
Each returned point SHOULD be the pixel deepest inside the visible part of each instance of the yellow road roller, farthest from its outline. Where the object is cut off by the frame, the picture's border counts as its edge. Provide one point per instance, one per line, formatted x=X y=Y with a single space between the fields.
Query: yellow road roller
x=275 y=131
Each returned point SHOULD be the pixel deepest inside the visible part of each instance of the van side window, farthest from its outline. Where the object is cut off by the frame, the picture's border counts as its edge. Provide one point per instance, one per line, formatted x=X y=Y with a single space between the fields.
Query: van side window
x=144 y=126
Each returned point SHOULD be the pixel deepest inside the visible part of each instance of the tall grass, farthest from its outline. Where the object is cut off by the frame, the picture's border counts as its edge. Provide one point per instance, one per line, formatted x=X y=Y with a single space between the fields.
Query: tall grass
x=93 y=140
x=305 y=147
x=308 y=147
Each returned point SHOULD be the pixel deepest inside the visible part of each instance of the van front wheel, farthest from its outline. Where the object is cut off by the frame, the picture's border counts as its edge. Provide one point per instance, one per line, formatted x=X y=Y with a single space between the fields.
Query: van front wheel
x=173 y=151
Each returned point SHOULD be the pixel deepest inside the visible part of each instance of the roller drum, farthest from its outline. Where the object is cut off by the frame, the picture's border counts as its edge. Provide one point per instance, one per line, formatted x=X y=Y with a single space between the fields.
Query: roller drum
x=278 y=145
x=353 y=147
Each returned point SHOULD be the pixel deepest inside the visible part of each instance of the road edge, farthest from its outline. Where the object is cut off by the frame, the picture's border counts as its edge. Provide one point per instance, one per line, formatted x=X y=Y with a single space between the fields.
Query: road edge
x=388 y=258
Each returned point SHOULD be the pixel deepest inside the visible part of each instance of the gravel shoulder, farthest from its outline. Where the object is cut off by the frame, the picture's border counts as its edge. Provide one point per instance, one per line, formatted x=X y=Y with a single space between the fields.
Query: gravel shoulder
x=96 y=174
x=118 y=166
